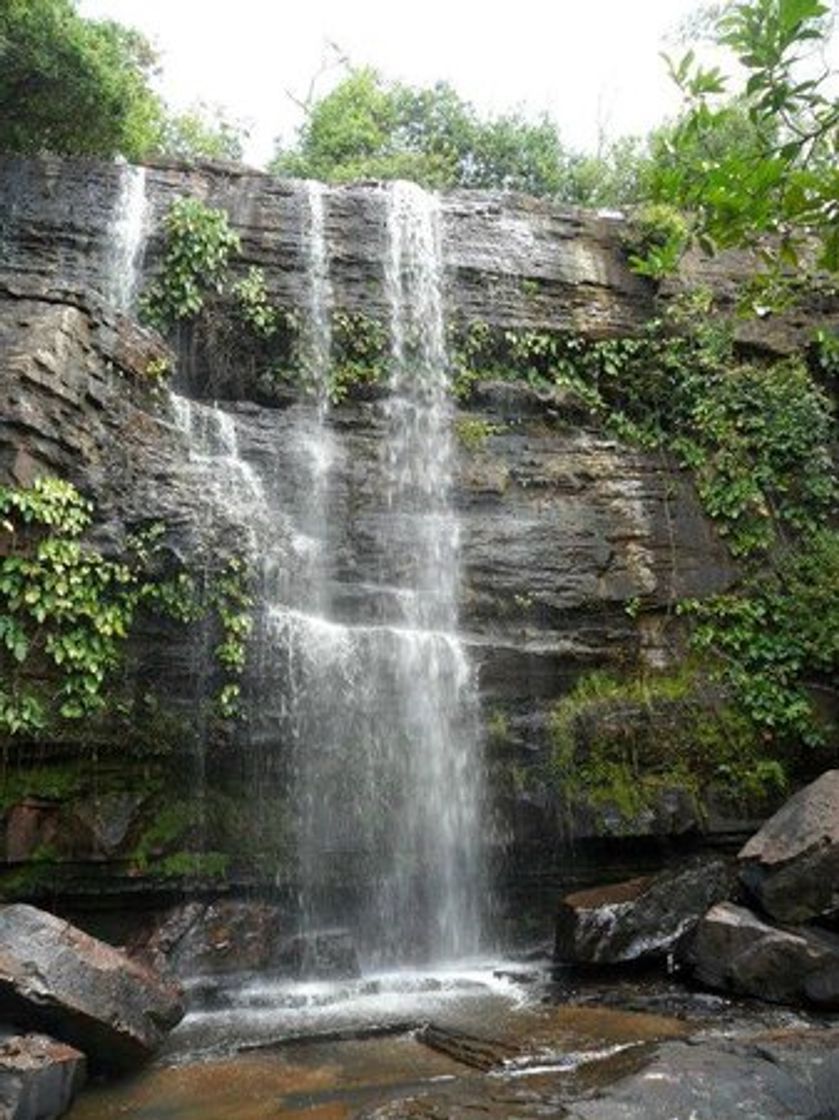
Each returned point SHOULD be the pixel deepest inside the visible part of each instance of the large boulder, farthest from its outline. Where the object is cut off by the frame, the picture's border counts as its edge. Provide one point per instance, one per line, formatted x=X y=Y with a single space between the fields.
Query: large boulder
x=38 y=1076
x=791 y=865
x=736 y=951
x=639 y=919
x=55 y=978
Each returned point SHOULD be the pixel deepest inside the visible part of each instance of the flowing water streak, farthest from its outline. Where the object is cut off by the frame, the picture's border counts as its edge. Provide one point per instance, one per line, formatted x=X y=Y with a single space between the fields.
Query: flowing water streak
x=127 y=235
x=318 y=328
x=443 y=815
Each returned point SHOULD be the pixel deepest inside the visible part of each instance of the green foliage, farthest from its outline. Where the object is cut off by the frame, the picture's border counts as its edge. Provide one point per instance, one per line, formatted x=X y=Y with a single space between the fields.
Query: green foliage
x=61 y=603
x=368 y=128
x=74 y=86
x=66 y=610
x=360 y=352
x=202 y=132
x=658 y=238
x=778 y=635
x=199 y=242
x=472 y=432
x=784 y=181
x=254 y=306
x=230 y=598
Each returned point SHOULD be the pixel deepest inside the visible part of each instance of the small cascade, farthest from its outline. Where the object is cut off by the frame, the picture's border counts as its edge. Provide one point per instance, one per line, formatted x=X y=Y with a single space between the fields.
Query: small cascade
x=127 y=239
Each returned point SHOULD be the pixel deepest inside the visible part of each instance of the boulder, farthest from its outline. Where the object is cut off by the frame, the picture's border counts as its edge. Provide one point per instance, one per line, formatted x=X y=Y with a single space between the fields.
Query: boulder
x=216 y=938
x=55 y=978
x=639 y=919
x=736 y=951
x=327 y=954
x=791 y=865
x=38 y=1076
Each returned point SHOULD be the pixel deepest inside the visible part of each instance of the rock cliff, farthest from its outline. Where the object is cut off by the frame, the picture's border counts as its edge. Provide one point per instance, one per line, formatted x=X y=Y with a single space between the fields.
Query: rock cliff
x=562 y=527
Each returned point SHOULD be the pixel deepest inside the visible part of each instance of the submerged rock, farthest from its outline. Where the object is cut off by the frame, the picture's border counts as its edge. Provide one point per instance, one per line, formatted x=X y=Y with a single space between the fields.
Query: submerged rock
x=38 y=1076
x=736 y=951
x=791 y=865
x=55 y=978
x=640 y=919
x=327 y=954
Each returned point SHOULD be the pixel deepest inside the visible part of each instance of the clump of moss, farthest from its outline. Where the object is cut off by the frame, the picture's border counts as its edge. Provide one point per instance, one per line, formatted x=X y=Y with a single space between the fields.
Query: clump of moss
x=619 y=742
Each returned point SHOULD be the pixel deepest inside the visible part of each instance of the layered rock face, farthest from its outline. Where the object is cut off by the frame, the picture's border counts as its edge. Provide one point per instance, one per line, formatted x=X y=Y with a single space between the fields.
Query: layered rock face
x=560 y=525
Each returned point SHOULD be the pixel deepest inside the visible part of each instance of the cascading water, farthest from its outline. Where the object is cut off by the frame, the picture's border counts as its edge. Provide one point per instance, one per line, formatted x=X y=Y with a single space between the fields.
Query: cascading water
x=382 y=718
x=127 y=236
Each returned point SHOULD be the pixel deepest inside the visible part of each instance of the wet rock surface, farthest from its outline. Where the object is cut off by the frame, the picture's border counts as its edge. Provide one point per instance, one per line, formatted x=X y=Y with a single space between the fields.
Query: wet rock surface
x=220 y=937
x=561 y=525
x=791 y=865
x=39 y=1077
x=788 y=1078
x=55 y=978
x=641 y=919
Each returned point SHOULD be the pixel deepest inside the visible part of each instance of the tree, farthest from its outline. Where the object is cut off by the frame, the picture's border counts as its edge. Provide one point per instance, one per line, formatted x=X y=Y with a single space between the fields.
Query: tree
x=368 y=128
x=777 y=188
x=74 y=86
x=202 y=132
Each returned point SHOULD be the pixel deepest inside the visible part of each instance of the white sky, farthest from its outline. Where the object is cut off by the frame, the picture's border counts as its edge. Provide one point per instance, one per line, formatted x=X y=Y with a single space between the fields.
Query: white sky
x=592 y=64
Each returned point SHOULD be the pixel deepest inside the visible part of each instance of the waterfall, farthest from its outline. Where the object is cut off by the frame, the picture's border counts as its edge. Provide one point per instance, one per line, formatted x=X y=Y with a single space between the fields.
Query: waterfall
x=371 y=726
x=442 y=817
x=383 y=718
x=127 y=237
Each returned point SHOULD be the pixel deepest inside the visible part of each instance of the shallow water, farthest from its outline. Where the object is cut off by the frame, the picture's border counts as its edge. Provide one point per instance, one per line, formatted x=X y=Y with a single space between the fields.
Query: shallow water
x=286 y=1051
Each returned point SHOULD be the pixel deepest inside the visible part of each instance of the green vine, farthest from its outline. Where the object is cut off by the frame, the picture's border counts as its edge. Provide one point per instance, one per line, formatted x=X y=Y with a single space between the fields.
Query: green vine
x=232 y=602
x=66 y=610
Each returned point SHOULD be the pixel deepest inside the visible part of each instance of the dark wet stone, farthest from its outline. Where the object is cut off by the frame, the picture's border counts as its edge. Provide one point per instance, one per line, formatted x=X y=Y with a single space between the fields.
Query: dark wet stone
x=328 y=954
x=734 y=950
x=795 y=1079
x=218 y=938
x=640 y=919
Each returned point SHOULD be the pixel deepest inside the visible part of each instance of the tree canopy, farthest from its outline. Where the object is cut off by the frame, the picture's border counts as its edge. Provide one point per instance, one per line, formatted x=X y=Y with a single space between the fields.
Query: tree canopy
x=369 y=128
x=78 y=86
x=74 y=86
x=777 y=173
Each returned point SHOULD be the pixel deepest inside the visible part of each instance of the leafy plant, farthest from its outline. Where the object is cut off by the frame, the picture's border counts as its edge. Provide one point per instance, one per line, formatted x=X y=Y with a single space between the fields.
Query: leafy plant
x=199 y=242
x=254 y=305
x=784 y=182
x=657 y=239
